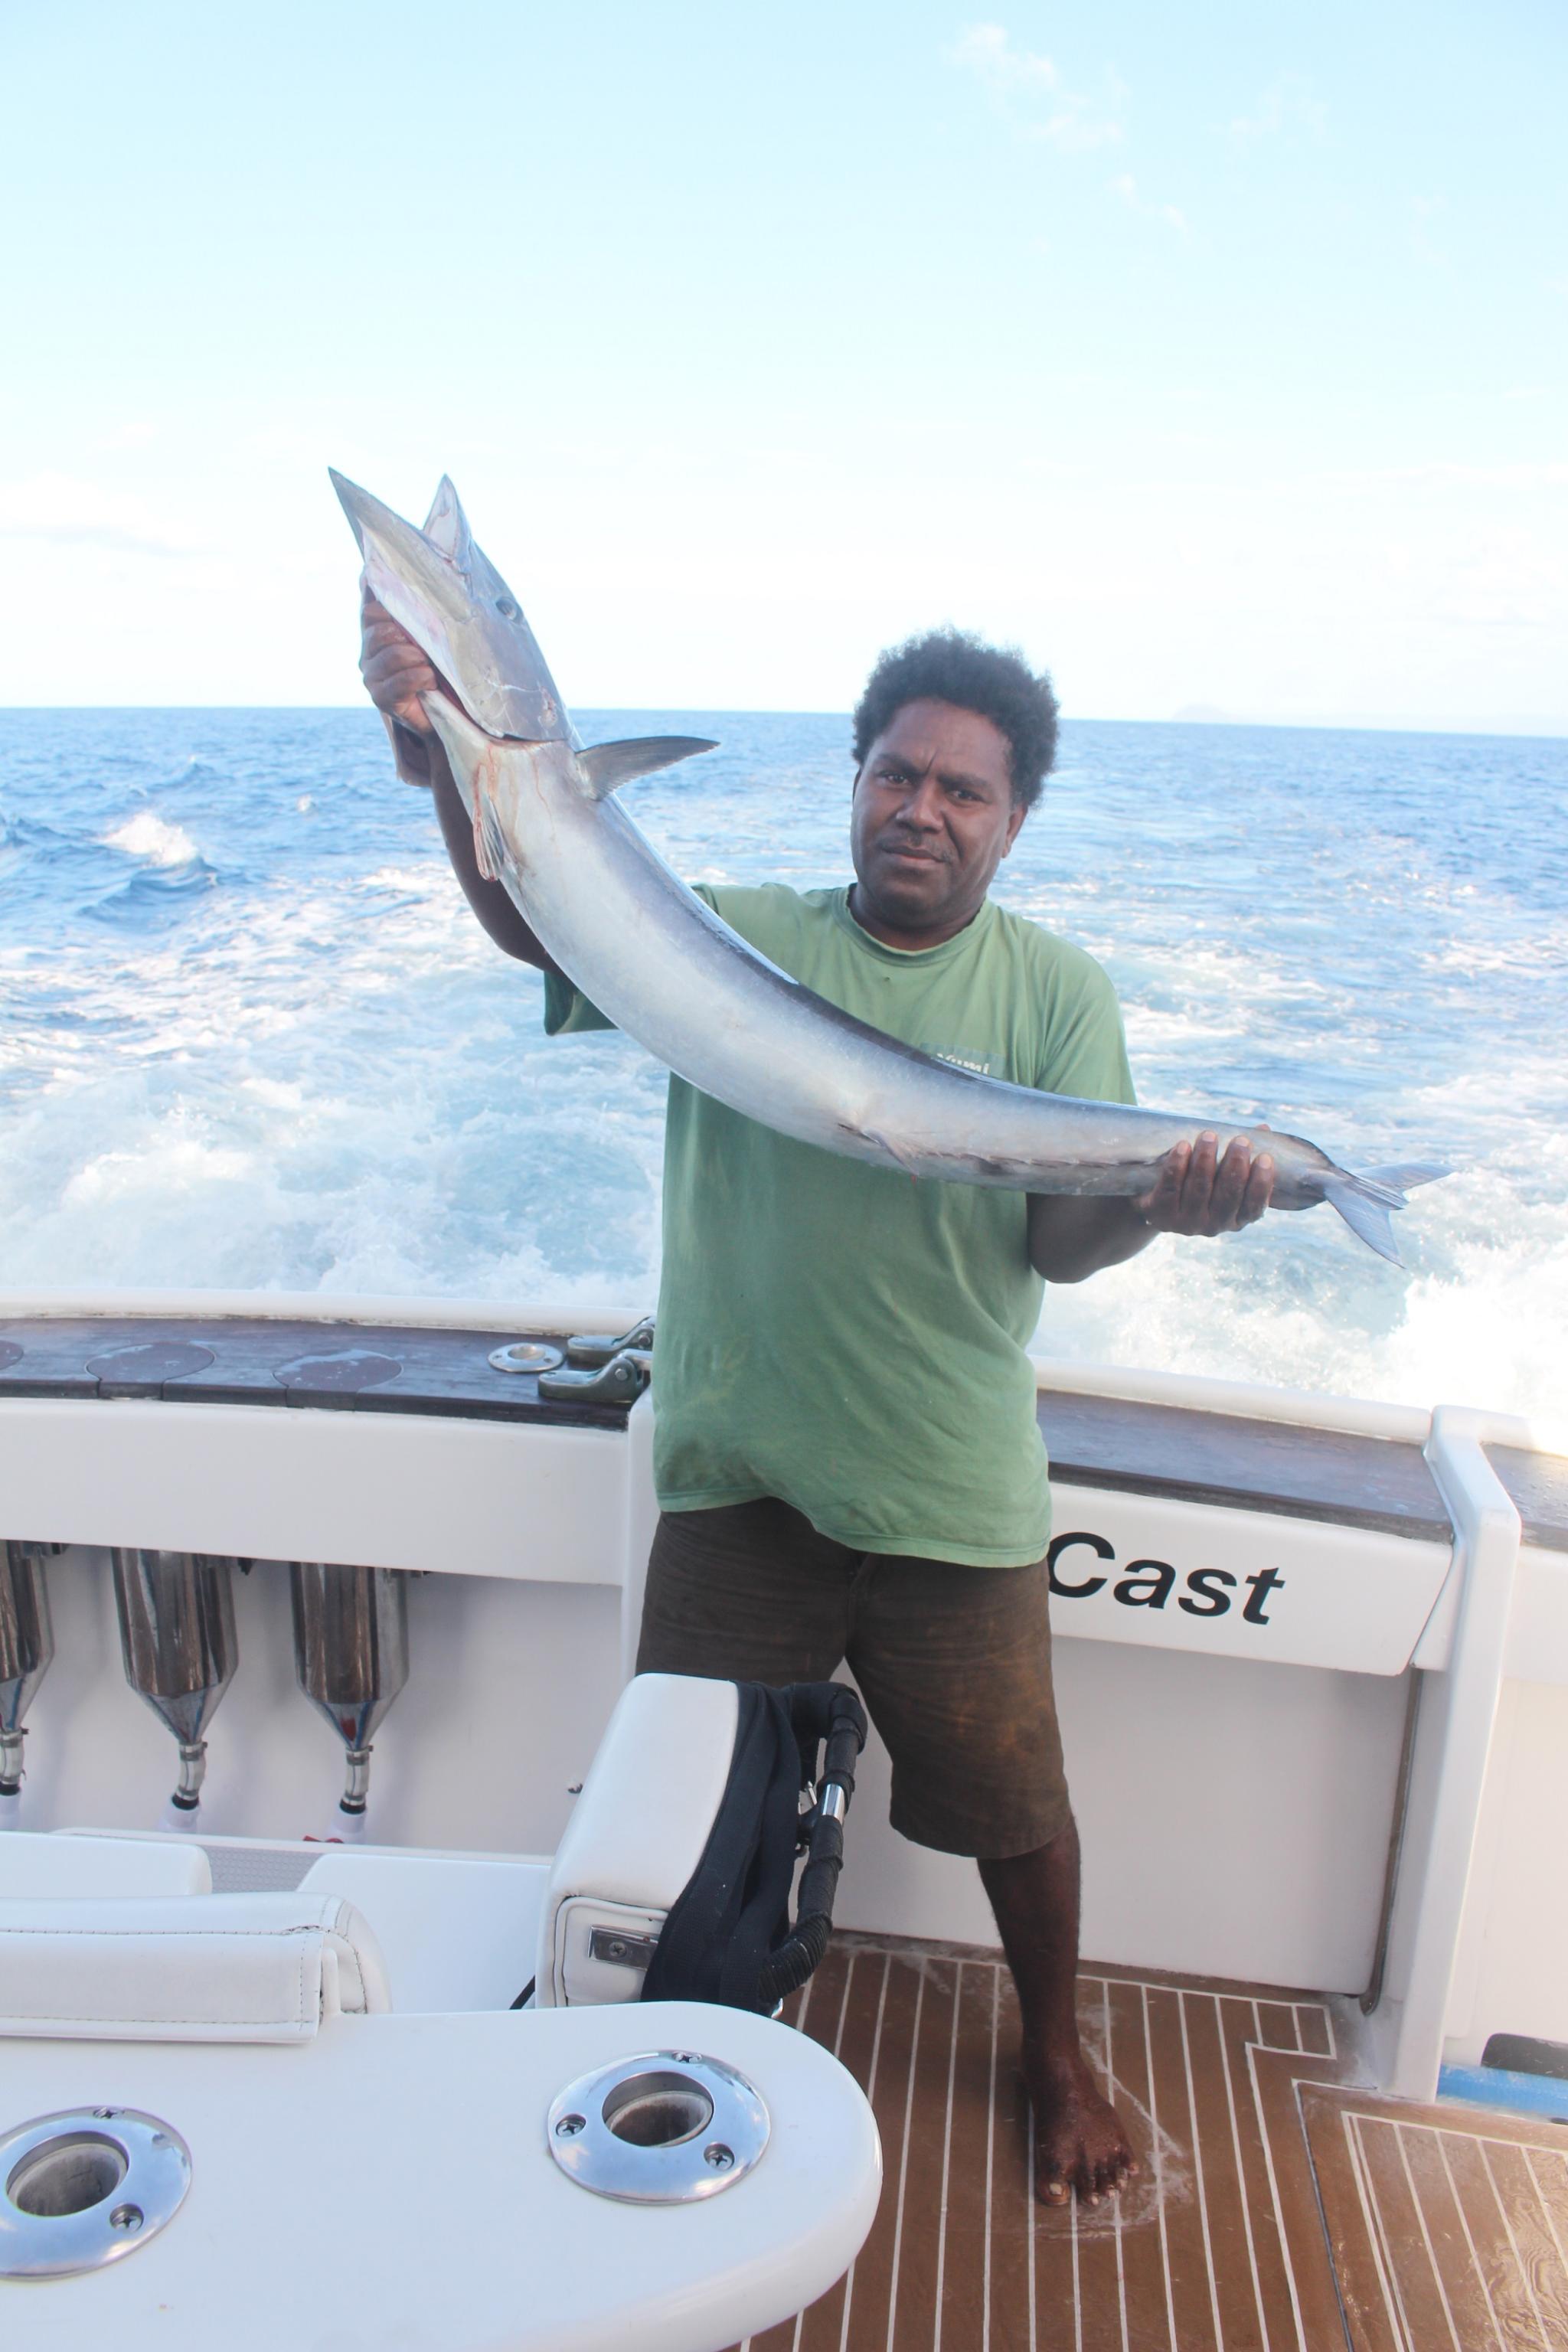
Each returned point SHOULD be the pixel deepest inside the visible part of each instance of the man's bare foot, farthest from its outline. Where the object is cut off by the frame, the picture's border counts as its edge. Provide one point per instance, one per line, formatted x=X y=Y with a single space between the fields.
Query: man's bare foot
x=1079 y=2140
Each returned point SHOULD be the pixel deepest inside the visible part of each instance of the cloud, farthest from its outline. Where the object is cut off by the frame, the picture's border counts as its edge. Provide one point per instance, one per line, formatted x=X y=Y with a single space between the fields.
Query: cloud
x=988 y=50
x=57 y=508
x=1289 y=106
x=1027 y=88
x=1126 y=187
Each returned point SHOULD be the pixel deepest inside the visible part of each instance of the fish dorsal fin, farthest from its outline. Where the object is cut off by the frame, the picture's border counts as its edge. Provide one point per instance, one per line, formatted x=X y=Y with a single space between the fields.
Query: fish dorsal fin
x=446 y=526
x=603 y=766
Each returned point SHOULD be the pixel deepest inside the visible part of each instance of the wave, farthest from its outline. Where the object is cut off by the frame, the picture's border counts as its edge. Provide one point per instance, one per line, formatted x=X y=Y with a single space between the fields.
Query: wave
x=154 y=898
x=298 y=1065
x=150 y=837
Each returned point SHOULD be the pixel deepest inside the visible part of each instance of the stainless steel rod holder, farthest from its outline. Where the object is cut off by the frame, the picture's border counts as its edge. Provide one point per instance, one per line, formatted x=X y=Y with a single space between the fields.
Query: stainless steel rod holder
x=351 y=1657
x=176 y=1635
x=26 y=1647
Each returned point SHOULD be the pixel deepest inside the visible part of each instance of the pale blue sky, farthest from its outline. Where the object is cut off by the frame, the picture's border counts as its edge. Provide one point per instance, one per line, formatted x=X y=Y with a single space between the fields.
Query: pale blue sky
x=1219 y=356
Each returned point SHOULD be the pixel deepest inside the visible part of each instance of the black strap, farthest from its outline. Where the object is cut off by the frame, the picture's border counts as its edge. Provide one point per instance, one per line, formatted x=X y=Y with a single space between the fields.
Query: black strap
x=727 y=1937
x=829 y=1713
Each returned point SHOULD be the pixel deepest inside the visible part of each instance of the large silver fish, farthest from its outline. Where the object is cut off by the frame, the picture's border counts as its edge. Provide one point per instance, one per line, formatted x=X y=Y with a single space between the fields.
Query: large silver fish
x=663 y=967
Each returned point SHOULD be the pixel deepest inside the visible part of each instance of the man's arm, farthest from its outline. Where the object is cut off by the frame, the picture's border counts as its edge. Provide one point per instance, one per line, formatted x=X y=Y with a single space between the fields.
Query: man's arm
x=395 y=673
x=1196 y=1192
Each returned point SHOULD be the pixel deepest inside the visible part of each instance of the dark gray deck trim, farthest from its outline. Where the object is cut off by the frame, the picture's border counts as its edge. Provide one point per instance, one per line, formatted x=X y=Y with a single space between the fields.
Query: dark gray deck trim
x=1234 y=1464
x=1222 y=1459
x=252 y=1360
x=1537 y=1486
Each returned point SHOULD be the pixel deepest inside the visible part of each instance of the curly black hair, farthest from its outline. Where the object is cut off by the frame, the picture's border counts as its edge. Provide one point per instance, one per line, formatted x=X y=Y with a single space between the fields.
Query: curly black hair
x=954 y=666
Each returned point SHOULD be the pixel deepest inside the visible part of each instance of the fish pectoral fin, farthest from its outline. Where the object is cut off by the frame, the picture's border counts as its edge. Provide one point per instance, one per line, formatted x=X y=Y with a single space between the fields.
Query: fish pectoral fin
x=604 y=766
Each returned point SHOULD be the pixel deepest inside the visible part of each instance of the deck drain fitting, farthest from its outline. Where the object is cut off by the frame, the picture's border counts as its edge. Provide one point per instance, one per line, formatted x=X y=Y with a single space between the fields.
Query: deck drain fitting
x=665 y=2127
x=82 y=2188
x=527 y=1356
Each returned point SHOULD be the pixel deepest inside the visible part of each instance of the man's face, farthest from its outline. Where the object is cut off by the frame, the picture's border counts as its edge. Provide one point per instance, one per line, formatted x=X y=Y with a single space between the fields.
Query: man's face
x=933 y=816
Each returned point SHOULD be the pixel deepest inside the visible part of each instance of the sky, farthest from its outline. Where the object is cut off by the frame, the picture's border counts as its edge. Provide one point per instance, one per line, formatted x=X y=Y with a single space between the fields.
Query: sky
x=1217 y=357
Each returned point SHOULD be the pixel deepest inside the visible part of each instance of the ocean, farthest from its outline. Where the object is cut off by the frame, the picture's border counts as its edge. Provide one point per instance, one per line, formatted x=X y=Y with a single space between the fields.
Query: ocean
x=253 y=1039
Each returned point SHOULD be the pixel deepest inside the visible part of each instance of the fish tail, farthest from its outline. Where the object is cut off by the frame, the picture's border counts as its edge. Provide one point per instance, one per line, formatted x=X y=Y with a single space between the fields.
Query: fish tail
x=1366 y=1201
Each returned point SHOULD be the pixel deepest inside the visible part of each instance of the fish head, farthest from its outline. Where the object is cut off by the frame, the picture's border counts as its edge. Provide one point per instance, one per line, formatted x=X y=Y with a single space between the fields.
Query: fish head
x=443 y=589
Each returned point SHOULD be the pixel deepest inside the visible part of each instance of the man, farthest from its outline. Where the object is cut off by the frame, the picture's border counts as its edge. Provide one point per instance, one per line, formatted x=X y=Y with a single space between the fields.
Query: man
x=846 y=1454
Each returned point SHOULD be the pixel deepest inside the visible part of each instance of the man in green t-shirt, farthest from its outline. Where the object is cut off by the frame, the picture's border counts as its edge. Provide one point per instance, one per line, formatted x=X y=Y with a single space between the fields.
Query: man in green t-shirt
x=846 y=1450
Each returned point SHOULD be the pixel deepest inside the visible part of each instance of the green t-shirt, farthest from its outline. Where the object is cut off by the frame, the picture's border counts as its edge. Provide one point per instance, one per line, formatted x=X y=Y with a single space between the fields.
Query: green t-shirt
x=844 y=1337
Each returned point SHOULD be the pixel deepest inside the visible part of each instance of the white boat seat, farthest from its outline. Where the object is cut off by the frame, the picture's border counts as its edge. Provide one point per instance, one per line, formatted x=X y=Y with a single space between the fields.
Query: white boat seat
x=457 y=1931
x=636 y=1834
x=194 y=1967
x=41 y=1862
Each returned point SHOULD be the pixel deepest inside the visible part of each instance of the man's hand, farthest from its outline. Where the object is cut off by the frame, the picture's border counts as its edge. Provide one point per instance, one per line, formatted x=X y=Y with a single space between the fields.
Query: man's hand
x=1198 y=1193
x=395 y=670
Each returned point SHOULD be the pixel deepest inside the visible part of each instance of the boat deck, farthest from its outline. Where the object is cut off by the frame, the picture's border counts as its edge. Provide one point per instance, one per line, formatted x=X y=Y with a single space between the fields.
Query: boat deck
x=1278 y=2206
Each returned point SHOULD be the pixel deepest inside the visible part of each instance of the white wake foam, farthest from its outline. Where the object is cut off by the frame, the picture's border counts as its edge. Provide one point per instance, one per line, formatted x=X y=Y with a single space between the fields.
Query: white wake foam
x=153 y=839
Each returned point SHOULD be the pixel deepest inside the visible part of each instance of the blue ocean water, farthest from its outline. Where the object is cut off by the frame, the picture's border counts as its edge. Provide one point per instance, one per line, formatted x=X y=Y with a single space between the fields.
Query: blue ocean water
x=252 y=1038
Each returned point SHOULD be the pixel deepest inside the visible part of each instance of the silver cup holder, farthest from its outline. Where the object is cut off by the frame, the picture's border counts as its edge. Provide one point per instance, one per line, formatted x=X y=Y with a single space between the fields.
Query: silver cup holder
x=665 y=2127
x=86 y=2186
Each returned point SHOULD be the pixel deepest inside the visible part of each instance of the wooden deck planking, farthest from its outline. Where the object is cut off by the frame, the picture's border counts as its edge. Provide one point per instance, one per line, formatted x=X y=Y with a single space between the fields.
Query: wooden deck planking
x=1448 y=2225
x=1278 y=2208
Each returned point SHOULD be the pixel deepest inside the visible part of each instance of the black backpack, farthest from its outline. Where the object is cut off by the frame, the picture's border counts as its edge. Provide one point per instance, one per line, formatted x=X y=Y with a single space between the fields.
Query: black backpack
x=728 y=1936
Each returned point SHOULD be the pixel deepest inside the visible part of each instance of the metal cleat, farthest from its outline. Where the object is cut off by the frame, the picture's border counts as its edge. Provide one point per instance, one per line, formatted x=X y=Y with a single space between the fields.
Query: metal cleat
x=621 y=1381
x=593 y=1348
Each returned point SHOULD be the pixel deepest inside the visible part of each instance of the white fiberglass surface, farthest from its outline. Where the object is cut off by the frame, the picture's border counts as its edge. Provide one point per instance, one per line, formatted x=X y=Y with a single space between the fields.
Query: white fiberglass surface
x=253 y=1039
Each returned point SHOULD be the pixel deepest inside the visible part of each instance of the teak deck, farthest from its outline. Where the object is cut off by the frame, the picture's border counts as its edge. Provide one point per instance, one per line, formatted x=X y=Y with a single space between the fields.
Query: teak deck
x=1279 y=2209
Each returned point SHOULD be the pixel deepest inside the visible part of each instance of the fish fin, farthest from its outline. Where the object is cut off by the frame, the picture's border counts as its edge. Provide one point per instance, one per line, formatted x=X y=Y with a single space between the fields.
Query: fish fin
x=446 y=526
x=884 y=1143
x=1365 y=1206
x=1405 y=1175
x=604 y=766
x=1365 y=1201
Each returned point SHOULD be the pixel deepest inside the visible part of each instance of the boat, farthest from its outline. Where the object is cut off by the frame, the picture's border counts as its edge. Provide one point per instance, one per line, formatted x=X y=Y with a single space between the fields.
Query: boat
x=1311 y=1664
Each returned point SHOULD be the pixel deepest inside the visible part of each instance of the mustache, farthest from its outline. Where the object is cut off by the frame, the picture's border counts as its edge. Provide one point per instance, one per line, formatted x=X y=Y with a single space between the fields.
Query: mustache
x=898 y=836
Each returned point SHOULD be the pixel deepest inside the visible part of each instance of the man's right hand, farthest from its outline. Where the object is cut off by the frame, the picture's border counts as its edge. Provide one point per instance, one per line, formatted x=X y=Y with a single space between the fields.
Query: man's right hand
x=396 y=671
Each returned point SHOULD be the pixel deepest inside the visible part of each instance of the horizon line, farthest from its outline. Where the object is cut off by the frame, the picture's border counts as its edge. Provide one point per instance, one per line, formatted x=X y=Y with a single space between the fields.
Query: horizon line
x=1540 y=730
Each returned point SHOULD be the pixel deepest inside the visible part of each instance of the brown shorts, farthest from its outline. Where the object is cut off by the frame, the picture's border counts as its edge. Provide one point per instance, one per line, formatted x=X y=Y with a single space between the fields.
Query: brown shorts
x=954 y=1664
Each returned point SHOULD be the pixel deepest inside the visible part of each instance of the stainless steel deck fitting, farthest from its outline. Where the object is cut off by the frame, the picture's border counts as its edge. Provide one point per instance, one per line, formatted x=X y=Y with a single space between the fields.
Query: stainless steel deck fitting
x=665 y=2127
x=86 y=2186
x=527 y=1356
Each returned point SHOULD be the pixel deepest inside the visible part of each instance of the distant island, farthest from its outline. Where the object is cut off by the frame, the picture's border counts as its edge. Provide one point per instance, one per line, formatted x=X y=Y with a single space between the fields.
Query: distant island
x=1201 y=714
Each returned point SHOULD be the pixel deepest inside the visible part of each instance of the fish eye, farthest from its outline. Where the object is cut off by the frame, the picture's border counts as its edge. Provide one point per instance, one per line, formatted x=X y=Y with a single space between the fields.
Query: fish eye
x=507 y=609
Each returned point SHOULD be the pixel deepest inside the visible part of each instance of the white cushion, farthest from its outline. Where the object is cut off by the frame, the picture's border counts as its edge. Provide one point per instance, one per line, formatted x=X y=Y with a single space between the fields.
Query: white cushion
x=36 y=1862
x=202 y=1967
x=637 y=1832
x=457 y=1931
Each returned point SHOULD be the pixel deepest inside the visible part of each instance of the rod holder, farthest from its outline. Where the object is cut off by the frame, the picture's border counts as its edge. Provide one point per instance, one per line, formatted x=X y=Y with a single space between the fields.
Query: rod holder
x=177 y=1639
x=26 y=1647
x=350 y=1658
